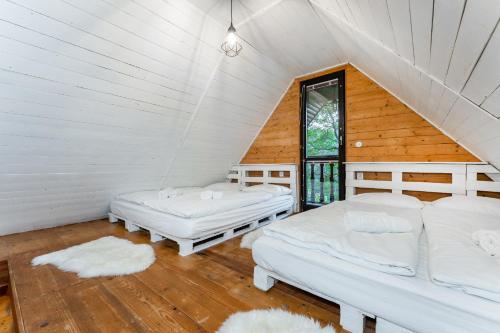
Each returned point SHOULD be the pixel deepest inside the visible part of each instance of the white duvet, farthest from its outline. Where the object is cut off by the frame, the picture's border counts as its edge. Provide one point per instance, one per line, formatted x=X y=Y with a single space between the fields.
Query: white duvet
x=454 y=260
x=142 y=196
x=323 y=229
x=191 y=205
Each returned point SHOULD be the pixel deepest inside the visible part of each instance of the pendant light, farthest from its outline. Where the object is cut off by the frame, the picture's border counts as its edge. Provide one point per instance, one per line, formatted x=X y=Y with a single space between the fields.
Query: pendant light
x=232 y=43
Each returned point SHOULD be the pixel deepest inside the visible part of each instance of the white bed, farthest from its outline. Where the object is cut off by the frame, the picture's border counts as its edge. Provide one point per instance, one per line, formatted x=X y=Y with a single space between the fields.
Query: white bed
x=399 y=303
x=414 y=303
x=195 y=232
x=324 y=229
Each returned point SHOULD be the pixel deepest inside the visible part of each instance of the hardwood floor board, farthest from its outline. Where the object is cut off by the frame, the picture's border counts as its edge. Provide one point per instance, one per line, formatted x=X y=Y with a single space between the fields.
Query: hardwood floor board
x=40 y=280
x=48 y=313
x=188 y=297
x=176 y=294
x=153 y=310
x=6 y=319
x=241 y=287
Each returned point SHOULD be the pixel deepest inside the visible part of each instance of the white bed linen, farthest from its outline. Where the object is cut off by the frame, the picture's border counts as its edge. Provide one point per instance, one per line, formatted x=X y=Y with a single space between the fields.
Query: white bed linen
x=324 y=229
x=192 y=205
x=192 y=228
x=412 y=302
x=139 y=197
x=143 y=196
x=454 y=260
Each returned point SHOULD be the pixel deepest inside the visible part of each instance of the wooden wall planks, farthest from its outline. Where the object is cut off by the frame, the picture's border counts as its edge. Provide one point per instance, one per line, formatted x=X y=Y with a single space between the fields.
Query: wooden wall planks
x=389 y=130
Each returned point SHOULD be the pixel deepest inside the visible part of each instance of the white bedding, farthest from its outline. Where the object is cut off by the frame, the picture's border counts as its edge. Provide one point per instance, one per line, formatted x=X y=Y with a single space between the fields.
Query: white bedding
x=323 y=229
x=454 y=260
x=192 y=228
x=142 y=197
x=191 y=205
x=412 y=302
x=139 y=197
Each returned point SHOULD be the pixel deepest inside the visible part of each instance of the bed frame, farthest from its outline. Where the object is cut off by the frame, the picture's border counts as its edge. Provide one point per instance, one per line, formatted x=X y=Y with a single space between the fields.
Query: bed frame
x=352 y=312
x=284 y=174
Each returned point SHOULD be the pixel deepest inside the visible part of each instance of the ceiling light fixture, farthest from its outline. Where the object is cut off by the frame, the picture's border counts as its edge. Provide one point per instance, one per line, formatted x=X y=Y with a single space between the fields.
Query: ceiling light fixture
x=232 y=43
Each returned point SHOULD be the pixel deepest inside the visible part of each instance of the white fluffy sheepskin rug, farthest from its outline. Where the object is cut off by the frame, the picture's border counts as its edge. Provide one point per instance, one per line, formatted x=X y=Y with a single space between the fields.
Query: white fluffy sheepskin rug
x=271 y=321
x=248 y=239
x=106 y=256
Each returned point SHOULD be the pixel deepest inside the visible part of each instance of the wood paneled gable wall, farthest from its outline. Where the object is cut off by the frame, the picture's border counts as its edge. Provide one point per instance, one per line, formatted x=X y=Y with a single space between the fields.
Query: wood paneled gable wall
x=389 y=130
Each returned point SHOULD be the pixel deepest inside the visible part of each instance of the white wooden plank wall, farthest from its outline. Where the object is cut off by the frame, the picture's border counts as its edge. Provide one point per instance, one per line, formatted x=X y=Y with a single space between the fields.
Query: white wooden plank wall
x=100 y=97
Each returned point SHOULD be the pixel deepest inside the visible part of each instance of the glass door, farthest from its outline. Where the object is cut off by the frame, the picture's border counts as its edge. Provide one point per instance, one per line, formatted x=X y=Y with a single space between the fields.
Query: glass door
x=322 y=147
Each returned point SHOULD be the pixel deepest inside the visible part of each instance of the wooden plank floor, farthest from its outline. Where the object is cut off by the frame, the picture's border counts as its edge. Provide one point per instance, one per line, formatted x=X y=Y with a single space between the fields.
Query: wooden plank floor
x=176 y=294
x=6 y=320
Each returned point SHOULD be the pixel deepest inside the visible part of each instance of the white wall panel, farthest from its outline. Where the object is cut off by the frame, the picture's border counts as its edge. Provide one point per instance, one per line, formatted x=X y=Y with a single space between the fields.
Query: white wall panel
x=486 y=75
x=381 y=16
x=421 y=22
x=492 y=103
x=447 y=18
x=399 y=12
x=479 y=20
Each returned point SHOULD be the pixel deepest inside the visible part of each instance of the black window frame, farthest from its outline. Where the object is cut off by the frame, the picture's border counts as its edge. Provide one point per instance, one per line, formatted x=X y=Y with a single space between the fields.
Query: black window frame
x=340 y=76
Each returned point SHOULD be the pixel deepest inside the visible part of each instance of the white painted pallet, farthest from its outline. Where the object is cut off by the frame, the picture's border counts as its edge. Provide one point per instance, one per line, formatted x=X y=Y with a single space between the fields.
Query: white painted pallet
x=189 y=246
x=464 y=182
x=464 y=177
x=287 y=175
x=241 y=174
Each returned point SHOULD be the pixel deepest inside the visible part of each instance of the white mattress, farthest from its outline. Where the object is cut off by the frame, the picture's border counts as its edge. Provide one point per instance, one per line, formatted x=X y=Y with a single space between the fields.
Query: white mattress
x=192 y=228
x=412 y=302
x=455 y=260
x=324 y=229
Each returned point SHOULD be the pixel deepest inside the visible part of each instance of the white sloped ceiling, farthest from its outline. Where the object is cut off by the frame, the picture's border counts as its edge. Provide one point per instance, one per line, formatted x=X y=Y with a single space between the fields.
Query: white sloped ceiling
x=440 y=57
x=101 y=97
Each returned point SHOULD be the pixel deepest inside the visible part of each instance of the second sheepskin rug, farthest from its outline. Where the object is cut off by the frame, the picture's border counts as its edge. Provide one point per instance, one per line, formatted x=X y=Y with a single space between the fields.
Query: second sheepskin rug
x=271 y=321
x=106 y=256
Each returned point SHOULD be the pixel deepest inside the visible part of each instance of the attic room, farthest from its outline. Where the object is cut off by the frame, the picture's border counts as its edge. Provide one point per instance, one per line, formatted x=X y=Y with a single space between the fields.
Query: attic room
x=243 y=166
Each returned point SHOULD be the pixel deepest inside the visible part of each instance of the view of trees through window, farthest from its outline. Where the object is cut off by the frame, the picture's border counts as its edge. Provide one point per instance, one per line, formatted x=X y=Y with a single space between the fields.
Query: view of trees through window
x=323 y=132
x=322 y=145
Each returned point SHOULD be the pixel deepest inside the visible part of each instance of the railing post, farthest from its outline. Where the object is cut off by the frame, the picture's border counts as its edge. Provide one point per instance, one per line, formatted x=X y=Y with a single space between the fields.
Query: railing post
x=321 y=182
x=332 y=187
x=313 y=190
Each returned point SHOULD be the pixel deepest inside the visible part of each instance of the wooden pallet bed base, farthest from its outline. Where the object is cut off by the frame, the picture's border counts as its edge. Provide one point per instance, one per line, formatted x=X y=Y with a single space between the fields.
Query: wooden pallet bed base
x=189 y=246
x=464 y=183
x=352 y=319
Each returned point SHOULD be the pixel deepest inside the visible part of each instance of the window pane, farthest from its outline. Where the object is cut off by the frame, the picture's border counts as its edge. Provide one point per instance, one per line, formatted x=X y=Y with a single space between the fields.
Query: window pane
x=322 y=121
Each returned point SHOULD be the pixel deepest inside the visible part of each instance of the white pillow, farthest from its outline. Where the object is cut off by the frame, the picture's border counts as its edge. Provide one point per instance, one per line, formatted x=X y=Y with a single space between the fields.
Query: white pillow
x=275 y=190
x=480 y=205
x=388 y=199
x=223 y=187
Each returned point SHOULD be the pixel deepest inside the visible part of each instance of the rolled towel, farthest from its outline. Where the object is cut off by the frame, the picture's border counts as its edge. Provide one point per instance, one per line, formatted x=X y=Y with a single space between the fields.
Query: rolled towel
x=211 y=195
x=217 y=195
x=166 y=193
x=375 y=222
x=488 y=241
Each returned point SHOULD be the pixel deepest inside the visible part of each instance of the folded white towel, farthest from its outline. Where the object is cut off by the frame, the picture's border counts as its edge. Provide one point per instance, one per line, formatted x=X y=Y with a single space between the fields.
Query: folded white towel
x=166 y=193
x=488 y=241
x=211 y=195
x=375 y=222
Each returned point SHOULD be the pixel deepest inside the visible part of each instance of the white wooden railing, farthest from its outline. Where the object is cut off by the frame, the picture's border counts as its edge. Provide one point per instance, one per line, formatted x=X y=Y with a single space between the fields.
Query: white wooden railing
x=463 y=177
x=287 y=175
